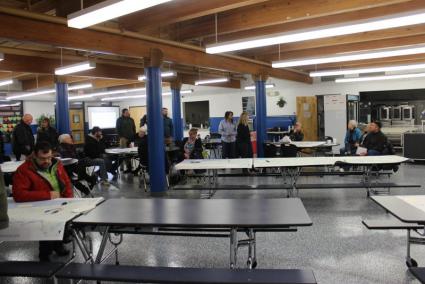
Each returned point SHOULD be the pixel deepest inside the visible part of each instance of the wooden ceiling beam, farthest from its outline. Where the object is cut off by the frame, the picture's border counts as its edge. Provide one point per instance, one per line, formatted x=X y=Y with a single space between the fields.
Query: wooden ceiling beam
x=411 y=31
x=378 y=62
x=271 y=13
x=320 y=21
x=179 y=11
x=17 y=28
x=46 y=81
x=347 y=48
x=32 y=64
x=43 y=6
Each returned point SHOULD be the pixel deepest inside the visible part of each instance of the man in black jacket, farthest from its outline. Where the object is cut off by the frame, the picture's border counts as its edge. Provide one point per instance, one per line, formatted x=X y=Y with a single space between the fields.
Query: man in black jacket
x=22 y=138
x=126 y=130
x=94 y=150
x=375 y=141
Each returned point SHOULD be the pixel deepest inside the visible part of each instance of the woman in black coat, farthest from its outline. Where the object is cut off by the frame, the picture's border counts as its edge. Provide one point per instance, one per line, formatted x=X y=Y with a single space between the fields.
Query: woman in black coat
x=243 y=137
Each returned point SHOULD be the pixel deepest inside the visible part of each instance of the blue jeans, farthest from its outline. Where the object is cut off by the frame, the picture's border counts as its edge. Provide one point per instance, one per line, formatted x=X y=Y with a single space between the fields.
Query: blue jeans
x=373 y=153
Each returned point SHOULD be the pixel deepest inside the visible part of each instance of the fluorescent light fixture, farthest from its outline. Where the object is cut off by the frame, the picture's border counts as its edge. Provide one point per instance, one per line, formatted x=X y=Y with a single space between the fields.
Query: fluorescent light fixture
x=79 y=86
x=211 y=81
x=108 y=10
x=349 y=57
x=10 y=105
x=30 y=94
x=74 y=68
x=366 y=70
x=143 y=96
x=6 y=82
x=393 y=21
x=375 y=78
x=252 y=87
x=163 y=75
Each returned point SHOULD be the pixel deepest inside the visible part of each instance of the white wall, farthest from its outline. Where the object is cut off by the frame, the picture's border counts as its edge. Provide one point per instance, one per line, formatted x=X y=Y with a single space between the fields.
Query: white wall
x=37 y=108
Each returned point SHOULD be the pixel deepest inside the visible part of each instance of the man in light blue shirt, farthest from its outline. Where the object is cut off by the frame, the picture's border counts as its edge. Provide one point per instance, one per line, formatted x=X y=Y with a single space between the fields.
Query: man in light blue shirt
x=227 y=130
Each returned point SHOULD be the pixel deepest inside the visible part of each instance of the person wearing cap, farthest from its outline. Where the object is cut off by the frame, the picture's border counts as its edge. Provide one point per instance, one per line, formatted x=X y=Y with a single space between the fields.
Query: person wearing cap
x=94 y=149
x=375 y=141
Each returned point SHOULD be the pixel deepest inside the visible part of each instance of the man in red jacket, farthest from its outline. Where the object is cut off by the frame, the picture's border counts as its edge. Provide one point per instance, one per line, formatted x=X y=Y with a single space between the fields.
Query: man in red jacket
x=42 y=177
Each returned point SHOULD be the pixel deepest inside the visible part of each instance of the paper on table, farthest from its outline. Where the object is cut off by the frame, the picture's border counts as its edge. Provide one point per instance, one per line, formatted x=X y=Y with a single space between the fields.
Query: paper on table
x=361 y=151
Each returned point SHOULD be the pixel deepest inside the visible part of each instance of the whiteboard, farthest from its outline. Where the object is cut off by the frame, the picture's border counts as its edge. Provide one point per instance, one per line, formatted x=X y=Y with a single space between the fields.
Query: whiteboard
x=104 y=117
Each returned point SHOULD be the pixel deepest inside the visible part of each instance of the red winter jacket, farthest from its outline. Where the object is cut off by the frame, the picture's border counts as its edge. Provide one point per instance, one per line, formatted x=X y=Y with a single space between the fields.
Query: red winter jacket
x=28 y=185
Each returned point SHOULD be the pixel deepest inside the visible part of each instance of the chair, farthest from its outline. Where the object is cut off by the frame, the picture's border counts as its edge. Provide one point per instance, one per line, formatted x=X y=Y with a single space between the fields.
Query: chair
x=288 y=151
x=270 y=151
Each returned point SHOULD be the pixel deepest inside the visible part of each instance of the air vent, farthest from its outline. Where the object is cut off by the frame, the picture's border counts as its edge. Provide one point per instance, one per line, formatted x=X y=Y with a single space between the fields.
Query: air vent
x=330 y=78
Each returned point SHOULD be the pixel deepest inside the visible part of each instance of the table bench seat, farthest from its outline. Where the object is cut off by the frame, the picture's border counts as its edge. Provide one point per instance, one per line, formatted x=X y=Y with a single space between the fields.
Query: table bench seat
x=389 y=224
x=140 y=274
x=29 y=269
x=419 y=273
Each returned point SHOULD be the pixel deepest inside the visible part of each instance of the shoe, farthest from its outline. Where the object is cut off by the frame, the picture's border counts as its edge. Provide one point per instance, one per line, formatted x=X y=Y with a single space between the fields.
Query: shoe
x=105 y=183
x=62 y=251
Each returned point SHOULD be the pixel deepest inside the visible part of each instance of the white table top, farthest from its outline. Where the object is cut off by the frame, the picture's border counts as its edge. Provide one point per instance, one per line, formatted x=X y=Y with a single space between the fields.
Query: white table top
x=308 y=144
x=292 y=162
x=214 y=164
x=121 y=150
x=368 y=160
x=10 y=167
x=43 y=220
x=327 y=161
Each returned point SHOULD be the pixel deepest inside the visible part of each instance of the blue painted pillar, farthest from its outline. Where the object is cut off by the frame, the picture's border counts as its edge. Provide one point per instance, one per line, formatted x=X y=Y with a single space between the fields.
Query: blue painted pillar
x=62 y=108
x=155 y=123
x=260 y=115
x=177 y=111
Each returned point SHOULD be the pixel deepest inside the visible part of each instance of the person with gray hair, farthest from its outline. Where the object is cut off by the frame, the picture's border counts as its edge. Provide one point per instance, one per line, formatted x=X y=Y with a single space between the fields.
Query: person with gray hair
x=352 y=139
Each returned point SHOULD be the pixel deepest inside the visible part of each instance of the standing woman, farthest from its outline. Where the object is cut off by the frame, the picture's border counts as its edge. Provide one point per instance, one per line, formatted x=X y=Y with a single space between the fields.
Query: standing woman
x=227 y=130
x=243 y=138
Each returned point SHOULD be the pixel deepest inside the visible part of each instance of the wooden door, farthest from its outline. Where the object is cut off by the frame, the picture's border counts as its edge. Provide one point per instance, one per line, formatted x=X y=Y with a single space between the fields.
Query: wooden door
x=136 y=113
x=76 y=117
x=307 y=115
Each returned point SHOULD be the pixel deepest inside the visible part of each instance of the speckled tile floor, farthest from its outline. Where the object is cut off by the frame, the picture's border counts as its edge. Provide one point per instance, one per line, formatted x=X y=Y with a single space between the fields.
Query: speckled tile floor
x=338 y=248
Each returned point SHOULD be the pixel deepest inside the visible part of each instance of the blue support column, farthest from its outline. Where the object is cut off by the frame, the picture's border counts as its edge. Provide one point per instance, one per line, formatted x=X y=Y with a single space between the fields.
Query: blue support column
x=260 y=115
x=177 y=113
x=155 y=123
x=62 y=108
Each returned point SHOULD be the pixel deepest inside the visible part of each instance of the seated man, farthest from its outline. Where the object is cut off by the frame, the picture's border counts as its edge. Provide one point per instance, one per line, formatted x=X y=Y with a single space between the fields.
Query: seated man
x=192 y=145
x=352 y=139
x=94 y=149
x=42 y=177
x=142 y=149
x=67 y=149
x=297 y=134
x=375 y=141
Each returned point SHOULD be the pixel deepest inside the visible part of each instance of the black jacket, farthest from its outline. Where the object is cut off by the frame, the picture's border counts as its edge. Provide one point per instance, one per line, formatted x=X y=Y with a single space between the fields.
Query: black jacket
x=143 y=120
x=375 y=141
x=243 y=142
x=142 y=150
x=22 y=139
x=168 y=127
x=93 y=148
x=48 y=135
x=296 y=136
x=126 y=128
x=197 y=150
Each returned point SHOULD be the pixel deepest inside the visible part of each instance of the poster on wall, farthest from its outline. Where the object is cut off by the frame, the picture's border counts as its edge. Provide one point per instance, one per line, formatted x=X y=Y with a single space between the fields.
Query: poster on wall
x=248 y=105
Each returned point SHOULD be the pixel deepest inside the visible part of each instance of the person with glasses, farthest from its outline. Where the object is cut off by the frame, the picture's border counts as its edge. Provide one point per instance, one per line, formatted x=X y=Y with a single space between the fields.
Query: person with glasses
x=42 y=177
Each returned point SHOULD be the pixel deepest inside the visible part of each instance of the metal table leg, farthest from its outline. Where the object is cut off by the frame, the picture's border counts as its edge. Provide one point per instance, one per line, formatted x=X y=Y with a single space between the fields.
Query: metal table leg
x=102 y=245
x=233 y=247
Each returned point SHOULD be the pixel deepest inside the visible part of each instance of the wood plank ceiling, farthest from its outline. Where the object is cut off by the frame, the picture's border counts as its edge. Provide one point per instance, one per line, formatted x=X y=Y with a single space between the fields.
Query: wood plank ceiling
x=182 y=28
